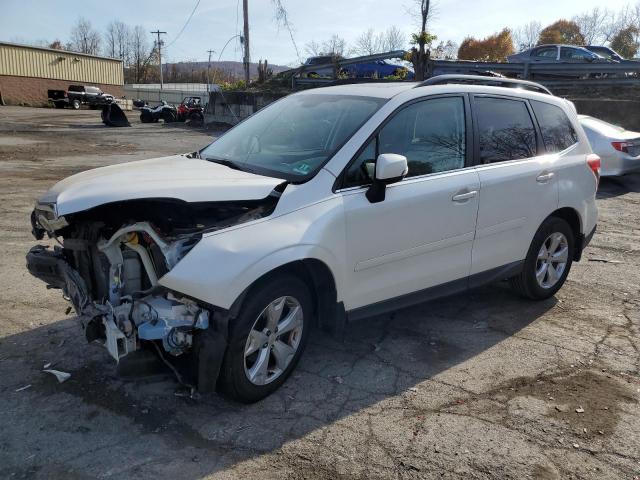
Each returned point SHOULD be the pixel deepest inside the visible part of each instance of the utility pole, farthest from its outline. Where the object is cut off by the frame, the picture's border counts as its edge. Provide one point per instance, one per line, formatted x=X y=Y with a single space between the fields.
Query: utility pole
x=158 y=33
x=209 y=68
x=247 y=57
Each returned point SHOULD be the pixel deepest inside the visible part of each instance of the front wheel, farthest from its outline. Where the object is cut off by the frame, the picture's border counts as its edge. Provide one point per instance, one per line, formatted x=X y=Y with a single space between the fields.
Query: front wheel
x=267 y=339
x=548 y=261
x=75 y=104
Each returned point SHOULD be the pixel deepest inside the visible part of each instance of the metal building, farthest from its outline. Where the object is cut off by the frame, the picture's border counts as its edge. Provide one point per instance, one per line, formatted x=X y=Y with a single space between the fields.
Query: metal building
x=26 y=73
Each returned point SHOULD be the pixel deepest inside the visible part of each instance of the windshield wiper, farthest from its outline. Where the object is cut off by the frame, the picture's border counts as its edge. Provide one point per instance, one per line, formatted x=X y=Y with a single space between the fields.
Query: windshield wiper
x=228 y=163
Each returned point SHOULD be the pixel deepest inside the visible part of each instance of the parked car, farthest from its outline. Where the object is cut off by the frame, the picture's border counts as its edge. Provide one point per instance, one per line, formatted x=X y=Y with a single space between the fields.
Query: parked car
x=557 y=54
x=311 y=64
x=329 y=205
x=378 y=69
x=618 y=148
x=78 y=95
x=163 y=111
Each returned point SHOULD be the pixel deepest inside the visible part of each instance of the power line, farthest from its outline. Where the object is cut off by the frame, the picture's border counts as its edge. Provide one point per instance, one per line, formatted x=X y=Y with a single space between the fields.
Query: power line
x=185 y=24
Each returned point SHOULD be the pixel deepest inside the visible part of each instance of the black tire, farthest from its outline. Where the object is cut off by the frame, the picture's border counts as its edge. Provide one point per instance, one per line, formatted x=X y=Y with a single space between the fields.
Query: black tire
x=145 y=117
x=60 y=104
x=526 y=283
x=233 y=381
x=75 y=104
x=168 y=116
x=195 y=118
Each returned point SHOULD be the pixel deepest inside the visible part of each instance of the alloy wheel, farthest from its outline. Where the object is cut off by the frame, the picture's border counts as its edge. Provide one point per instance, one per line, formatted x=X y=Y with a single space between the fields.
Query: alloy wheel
x=552 y=260
x=273 y=340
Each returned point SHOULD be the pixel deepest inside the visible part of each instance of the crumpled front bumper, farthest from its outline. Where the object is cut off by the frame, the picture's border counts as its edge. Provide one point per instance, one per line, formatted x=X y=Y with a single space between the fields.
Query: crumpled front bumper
x=51 y=267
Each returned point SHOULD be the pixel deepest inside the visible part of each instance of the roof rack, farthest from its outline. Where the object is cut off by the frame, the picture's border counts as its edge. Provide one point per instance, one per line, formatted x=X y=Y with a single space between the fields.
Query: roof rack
x=482 y=80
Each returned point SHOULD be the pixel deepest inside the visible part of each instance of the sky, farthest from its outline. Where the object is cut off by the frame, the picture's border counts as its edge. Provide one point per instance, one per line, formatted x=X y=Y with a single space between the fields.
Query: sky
x=216 y=21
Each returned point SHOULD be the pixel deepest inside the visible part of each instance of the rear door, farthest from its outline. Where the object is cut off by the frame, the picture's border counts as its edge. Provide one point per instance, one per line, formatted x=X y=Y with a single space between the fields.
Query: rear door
x=518 y=184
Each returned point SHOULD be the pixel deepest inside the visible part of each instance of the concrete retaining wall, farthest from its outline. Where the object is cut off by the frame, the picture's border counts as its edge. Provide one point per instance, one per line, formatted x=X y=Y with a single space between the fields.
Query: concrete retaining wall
x=625 y=113
x=154 y=96
x=232 y=107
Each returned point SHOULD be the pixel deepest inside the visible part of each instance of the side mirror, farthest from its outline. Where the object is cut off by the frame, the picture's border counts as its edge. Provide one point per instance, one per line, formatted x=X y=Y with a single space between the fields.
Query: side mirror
x=390 y=168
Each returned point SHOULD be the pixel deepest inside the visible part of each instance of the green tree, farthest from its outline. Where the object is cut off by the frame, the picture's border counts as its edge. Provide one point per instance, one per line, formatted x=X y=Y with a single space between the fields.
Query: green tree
x=562 y=31
x=624 y=42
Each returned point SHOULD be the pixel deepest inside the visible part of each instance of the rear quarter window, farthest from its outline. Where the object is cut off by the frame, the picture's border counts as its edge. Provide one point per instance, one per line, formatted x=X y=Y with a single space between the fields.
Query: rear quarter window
x=557 y=132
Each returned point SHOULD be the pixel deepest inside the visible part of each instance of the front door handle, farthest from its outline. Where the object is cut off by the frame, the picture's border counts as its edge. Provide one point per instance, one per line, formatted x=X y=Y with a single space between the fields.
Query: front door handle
x=545 y=177
x=464 y=196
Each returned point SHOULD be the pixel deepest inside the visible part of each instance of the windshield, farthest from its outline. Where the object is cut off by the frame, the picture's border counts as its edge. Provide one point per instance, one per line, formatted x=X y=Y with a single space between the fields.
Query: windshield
x=293 y=137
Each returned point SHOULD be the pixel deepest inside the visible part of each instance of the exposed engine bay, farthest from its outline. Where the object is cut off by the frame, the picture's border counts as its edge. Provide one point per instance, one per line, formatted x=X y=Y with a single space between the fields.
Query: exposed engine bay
x=109 y=260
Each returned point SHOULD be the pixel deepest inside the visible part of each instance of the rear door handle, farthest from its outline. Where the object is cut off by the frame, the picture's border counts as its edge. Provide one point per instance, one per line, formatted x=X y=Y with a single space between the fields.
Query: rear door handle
x=464 y=196
x=545 y=177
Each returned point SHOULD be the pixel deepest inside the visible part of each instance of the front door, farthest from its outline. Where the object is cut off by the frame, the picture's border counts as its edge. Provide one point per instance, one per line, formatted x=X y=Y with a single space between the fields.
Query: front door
x=421 y=235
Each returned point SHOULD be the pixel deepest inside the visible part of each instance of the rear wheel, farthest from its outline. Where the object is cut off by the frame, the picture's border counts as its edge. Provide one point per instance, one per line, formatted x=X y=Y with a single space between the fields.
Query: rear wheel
x=548 y=261
x=266 y=339
x=168 y=116
x=145 y=117
x=59 y=104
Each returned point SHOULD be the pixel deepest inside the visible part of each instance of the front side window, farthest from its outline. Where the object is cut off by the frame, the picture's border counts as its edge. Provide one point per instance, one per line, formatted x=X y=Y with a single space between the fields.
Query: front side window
x=430 y=133
x=557 y=132
x=294 y=137
x=506 y=130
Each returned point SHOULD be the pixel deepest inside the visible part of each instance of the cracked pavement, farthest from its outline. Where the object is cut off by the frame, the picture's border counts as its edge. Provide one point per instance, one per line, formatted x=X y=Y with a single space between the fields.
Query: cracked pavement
x=483 y=385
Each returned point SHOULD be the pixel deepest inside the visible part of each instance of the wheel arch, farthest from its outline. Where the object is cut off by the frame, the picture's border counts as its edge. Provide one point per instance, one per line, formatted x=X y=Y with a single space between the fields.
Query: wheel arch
x=321 y=281
x=572 y=217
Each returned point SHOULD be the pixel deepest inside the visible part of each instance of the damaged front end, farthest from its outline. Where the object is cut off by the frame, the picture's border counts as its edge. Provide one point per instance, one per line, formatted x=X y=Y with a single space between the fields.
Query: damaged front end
x=108 y=265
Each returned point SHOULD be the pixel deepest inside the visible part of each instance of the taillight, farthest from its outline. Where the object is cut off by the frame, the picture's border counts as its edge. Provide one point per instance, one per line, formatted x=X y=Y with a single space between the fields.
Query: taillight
x=622 y=146
x=593 y=161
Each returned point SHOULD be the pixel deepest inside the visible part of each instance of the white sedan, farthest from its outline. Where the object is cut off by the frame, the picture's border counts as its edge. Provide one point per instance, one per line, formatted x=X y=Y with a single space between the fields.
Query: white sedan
x=618 y=148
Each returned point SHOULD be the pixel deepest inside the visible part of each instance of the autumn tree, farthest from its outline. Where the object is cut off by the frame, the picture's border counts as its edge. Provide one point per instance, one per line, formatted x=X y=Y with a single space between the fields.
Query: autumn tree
x=494 y=48
x=562 y=31
x=624 y=42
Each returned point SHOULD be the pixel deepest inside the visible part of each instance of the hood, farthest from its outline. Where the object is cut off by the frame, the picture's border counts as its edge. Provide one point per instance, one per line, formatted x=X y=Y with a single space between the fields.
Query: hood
x=177 y=177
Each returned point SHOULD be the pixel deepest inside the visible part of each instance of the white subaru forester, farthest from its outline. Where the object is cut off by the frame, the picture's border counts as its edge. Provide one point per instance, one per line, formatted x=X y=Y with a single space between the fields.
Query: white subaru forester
x=329 y=205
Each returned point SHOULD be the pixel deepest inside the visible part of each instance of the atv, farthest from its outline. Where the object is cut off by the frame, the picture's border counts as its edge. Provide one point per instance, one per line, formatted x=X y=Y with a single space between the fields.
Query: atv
x=163 y=111
x=191 y=111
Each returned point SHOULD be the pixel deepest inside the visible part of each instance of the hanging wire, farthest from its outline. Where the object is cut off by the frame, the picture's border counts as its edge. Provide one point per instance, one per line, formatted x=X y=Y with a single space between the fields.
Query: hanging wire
x=185 y=25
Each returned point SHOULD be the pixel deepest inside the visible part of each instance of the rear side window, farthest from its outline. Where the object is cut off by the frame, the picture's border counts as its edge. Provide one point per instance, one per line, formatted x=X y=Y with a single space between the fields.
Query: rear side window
x=506 y=130
x=557 y=132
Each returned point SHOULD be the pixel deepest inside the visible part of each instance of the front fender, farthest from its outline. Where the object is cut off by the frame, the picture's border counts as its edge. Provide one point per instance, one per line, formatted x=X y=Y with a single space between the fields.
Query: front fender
x=222 y=265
